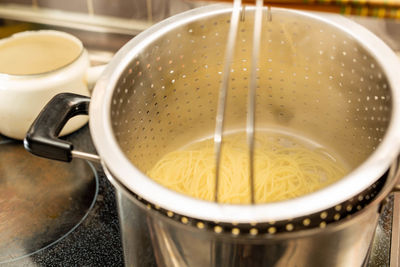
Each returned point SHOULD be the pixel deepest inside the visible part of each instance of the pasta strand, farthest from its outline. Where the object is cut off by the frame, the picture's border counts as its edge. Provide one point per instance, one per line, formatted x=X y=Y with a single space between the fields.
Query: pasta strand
x=284 y=169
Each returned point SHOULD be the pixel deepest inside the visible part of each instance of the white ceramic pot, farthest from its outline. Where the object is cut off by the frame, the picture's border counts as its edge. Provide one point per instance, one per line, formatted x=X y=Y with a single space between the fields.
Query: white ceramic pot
x=23 y=96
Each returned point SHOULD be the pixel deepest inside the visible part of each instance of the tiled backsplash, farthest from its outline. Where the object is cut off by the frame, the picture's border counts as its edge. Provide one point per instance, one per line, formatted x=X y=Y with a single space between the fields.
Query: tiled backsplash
x=148 y=10
x=22 y=2
x=69 y=5
x=133 y=16
x=141 y=9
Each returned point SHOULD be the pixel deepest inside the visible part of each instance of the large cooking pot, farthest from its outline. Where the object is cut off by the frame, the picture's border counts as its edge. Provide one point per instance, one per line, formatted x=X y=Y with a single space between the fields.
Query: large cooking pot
x=319 y=75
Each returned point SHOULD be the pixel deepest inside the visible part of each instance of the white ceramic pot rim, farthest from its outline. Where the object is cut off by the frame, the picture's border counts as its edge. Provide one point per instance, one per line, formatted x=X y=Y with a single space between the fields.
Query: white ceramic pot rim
x=136 y=181
x=65 y=35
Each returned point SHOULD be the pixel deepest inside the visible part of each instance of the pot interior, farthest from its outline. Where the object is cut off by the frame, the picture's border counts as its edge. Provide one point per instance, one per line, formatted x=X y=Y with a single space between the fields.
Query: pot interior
x=314 y=80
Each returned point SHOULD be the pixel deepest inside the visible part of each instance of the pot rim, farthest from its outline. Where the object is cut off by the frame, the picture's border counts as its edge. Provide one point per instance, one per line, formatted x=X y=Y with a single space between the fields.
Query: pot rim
x=127 y=174
x=62 y=34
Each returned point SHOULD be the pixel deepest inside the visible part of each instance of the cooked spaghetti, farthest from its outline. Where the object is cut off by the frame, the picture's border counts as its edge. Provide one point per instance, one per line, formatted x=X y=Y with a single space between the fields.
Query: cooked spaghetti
x=284 y=169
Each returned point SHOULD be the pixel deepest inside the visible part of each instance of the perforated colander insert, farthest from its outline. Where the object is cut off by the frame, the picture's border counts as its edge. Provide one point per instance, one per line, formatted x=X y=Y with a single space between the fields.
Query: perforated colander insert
x=313 y=79
x=322 y=219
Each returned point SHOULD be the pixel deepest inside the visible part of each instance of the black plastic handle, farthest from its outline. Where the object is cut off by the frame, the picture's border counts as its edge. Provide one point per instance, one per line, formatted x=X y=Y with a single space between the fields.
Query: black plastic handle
x=42 y=137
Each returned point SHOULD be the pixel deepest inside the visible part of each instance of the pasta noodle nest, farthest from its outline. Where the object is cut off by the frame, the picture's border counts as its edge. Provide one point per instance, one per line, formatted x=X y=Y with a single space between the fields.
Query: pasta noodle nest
x=284 y=168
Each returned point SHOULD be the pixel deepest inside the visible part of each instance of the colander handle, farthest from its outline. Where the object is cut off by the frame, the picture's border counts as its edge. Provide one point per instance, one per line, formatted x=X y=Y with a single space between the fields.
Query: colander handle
x=42 y=137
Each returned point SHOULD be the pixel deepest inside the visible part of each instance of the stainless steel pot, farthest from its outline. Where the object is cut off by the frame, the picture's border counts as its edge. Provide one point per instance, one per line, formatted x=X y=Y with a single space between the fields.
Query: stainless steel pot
x=322 y=77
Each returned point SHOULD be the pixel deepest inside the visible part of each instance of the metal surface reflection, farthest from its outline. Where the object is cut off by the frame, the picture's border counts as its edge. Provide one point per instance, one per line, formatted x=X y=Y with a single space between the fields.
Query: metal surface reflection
x=41 y=201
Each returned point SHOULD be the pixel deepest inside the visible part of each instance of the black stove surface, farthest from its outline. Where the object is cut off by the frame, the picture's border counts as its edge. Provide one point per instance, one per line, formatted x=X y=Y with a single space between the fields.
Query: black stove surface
x=96 y=241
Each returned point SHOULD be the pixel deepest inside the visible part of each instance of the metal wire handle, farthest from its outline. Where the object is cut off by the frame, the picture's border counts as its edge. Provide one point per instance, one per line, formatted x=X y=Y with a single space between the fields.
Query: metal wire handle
x=219 y=127
x=250 y=127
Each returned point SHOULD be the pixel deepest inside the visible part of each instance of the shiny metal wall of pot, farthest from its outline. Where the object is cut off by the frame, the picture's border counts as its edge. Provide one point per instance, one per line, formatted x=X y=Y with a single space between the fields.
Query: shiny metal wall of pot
x=324 y=77
x=149 y=237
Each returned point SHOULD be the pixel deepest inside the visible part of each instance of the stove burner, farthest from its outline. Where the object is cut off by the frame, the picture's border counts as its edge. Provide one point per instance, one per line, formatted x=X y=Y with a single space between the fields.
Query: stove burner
x=41 y=201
